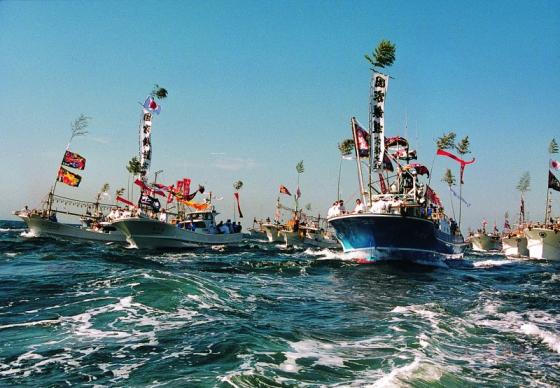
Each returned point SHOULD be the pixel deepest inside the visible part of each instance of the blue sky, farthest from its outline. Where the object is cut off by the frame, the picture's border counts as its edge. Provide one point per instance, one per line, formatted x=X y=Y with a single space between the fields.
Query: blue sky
x=254 y=87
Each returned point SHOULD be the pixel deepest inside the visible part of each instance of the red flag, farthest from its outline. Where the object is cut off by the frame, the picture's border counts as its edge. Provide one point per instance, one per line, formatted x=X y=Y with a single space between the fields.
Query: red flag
x=125 y=201
x=462 y=162
x=284 y=190
x=236 y=195
x=433 y=197
x=361 y=139
x=171 y=191
x=298 y=193
x=382 y=184
x=186 y=186
x=179 y=190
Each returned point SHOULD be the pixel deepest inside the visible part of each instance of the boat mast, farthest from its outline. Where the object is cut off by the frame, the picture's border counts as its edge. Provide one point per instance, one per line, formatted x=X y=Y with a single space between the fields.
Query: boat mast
x=359 y=161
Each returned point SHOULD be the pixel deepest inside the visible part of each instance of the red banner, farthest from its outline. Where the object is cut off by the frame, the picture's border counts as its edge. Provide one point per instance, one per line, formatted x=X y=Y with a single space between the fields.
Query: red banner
x=125 y=201
x=462 y=162
x=236 y=195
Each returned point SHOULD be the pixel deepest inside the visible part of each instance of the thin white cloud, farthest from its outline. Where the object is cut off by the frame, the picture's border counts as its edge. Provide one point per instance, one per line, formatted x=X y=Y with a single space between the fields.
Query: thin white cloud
x=234 y=163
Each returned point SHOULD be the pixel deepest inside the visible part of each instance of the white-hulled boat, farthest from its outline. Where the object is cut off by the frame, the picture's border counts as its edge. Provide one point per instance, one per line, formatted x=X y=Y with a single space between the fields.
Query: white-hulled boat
x=515 y=245
x=319 y=238
x=485 y=242
x=543 y=242
x=42 y=226
x=194 y=230
x=272 y=231
x=257 y=231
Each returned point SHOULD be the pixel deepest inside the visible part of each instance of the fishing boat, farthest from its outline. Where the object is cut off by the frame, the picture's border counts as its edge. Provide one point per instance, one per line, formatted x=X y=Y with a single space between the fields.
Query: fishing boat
x=543 y=240
x=319 y=238
x=151 y=226
x=515 y=244
x=188 y=230
x=403 y=220
x=40 y=224
x=256 y=231
x=44 y=222
x=481 y=241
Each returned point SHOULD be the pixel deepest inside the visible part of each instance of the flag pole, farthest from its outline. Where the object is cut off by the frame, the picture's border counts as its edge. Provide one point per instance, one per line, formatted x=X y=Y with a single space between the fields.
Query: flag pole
x=358 y=160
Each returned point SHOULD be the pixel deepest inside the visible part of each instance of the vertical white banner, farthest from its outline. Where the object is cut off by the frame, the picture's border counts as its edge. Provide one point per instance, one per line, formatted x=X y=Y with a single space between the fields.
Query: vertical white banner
x=379 y=83
x=145 y=145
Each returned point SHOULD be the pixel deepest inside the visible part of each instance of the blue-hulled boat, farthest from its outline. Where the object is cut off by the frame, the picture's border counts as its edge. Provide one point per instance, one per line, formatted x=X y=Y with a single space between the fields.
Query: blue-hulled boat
x=369 y=237
x=397 y=216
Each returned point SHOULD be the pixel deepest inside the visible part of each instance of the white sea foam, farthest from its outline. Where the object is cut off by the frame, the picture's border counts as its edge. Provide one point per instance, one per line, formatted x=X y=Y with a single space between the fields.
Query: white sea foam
x=321 y=351
x=45 y=322
x=28 y=234
x=11 y=254
x=550 y=339
x=526 y=323
x=491 y=263
x=325 y=254
x=418 y=369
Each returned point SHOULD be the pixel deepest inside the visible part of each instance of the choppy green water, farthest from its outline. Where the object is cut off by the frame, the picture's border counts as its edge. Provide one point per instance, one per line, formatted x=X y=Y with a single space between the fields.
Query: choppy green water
x=82 y=313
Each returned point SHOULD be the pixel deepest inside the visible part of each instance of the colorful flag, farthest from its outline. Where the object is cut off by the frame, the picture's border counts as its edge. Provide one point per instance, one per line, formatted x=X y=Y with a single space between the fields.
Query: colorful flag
x=74 y=160
x=150 y=201
x=361 y=139
x=236 y=195
x=68 y=177
x=151 y=105
x=387 y=164
x=284 y=190
x=554 y=164
x=553 y=182
x=396 y=141
x=462 y=162
x=506 y=224
x=420 y=168
x=433 y=197
x=298 y=193
x=405 y=154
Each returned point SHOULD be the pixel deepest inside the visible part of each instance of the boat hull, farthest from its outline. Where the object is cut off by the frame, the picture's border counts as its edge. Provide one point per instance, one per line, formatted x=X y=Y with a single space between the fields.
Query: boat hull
x=485 y=243
x=272 y=232
x=146 y=233
x=515 y=246
x=42 y=227
x=543 y=243
x=380 y=237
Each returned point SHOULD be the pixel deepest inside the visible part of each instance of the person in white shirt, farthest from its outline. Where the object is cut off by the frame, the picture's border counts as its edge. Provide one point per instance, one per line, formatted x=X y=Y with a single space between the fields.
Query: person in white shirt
x=333 y=210
x=378 y=206
x=163 y=216
x=360 y=207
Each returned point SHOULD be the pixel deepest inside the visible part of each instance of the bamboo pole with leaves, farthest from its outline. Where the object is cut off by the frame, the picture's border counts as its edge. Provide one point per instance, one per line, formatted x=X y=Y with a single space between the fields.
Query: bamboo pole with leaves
x=552 y=149
x=104 y=190
x=299 y=169
x=78 y=127
x=450 y=180
x=134 y=168
x=523 y=187
x=119 y=193
x=345 y=147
